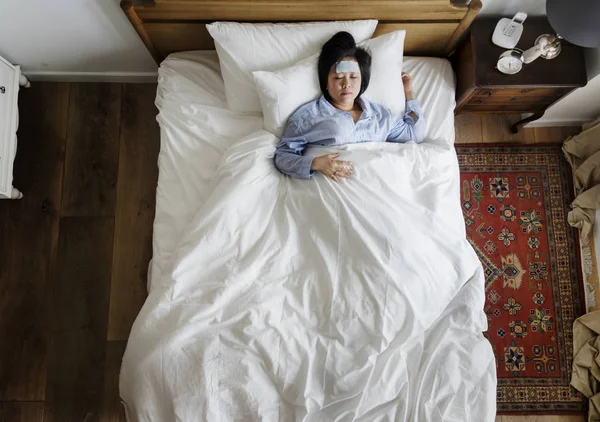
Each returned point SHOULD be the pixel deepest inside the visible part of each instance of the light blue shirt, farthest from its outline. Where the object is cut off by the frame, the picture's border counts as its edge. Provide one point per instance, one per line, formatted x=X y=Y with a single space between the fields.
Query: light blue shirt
x=320 y=123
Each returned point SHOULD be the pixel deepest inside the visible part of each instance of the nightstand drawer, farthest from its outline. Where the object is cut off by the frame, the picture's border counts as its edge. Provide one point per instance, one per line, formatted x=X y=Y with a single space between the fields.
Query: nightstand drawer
x=502 y=108
x=520 y=92
x=511 y=100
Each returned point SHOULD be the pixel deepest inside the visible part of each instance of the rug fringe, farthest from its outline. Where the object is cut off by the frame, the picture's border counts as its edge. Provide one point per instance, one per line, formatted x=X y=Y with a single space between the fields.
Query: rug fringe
x=587 y=265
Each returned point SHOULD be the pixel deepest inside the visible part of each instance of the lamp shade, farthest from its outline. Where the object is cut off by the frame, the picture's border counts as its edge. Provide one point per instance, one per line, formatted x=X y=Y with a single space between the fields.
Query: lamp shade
x=577 y=21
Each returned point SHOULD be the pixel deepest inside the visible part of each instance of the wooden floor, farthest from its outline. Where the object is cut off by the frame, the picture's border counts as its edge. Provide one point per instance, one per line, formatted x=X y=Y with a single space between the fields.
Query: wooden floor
x=491 y=128
x=75 y=249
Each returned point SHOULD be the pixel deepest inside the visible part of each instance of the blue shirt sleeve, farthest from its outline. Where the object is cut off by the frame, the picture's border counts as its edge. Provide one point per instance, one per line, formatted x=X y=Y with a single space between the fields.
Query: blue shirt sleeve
x=288 y=154
x=407 y=129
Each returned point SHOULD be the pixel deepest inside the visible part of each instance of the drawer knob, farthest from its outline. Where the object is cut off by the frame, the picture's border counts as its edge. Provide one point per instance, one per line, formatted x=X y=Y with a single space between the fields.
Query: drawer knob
x=2 y=90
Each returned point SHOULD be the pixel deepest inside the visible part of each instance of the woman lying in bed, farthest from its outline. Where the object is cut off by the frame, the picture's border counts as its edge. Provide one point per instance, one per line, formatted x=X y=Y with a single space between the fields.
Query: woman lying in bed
x=341 y=116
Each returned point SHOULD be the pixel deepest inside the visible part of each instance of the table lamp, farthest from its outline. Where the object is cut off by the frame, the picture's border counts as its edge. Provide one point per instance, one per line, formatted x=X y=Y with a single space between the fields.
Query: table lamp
x=577 y=21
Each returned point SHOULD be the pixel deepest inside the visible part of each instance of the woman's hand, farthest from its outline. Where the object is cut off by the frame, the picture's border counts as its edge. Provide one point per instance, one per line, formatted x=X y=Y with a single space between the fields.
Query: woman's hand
x=332 y=168
x=408 y=88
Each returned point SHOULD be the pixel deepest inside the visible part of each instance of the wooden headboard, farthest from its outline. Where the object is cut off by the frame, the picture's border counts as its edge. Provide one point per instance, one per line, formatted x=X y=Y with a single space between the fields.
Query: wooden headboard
x=433 y=27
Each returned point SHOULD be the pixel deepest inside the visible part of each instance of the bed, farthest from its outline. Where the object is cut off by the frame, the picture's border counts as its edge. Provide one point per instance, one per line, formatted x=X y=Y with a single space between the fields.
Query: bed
x=275 y=299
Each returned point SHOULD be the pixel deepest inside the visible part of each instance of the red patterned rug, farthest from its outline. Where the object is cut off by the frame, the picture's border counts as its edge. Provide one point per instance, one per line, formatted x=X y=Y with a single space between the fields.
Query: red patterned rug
x=515 y=202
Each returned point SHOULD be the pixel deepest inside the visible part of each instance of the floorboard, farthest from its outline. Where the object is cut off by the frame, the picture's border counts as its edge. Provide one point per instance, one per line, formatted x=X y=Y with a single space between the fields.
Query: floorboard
x=28 y=237
x=496 y=128
x=467 y=128
x=92 y=153
x=77 y=353
x=490 y=129
x=21 y=411
x=112 y=409
x=136 y=198
x=554 y=135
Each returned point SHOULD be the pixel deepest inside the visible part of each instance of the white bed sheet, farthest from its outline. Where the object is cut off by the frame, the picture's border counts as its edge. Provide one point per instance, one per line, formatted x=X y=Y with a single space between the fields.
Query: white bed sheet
x=314 y=303
x=197 y=128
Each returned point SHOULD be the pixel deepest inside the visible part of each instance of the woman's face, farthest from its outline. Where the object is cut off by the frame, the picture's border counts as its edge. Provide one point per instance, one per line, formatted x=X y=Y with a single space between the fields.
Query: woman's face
x=343 y=88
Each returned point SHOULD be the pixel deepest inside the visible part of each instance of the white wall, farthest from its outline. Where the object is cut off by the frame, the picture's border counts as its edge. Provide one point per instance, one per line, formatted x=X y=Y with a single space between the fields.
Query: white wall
x=577 y=108
x=510 y=7
x=72 y=39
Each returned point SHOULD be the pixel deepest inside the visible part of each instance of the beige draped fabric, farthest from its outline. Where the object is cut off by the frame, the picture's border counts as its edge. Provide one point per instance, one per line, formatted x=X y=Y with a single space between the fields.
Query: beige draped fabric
x=586 y=362
x=583 y=153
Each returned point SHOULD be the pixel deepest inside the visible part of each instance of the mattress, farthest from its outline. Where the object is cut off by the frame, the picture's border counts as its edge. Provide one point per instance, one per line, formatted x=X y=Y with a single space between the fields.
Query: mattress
x=278 y=299
x=197 y=128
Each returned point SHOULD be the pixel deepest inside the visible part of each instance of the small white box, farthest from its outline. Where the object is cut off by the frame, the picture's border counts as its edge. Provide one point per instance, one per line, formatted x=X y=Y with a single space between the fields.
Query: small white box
x=10 y=79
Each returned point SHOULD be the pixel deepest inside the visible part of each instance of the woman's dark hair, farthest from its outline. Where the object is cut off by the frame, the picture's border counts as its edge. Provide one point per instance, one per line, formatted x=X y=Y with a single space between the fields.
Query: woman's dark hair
x=339 y=46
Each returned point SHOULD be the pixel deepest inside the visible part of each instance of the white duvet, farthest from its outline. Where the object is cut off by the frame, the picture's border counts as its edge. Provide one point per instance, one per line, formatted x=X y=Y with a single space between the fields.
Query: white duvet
x=295 y=300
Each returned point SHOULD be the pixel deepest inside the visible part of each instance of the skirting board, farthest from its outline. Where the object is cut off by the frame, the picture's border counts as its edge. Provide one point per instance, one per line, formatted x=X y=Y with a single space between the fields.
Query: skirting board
x=132 y=77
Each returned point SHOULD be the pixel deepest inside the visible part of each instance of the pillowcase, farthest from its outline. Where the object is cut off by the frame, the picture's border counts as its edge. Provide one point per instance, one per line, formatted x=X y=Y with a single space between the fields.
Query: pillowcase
x=244 y=48
x=281 y=92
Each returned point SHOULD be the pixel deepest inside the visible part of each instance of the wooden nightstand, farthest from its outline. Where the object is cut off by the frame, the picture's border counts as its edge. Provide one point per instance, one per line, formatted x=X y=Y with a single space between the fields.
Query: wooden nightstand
x=481 y=88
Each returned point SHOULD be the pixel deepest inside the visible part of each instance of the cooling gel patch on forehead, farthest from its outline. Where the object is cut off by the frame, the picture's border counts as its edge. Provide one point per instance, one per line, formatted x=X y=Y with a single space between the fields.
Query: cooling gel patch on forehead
x=346 y=66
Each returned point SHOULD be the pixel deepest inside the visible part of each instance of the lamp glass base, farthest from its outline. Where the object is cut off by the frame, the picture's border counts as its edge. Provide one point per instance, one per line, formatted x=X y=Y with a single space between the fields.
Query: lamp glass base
x=553 y=51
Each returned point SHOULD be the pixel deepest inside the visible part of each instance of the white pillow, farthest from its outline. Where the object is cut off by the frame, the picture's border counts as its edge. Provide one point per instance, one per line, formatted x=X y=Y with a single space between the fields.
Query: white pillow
x=283 y=91
x=244 y=48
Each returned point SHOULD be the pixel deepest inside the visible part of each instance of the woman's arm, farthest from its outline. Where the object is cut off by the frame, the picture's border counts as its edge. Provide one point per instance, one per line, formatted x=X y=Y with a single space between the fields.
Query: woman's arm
x=411 y=127
x=289 y=160
x=288 y=154
x=408 y=94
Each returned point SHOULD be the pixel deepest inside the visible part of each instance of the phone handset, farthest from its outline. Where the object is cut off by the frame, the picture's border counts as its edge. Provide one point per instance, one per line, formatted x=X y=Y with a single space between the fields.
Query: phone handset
x=517 y=20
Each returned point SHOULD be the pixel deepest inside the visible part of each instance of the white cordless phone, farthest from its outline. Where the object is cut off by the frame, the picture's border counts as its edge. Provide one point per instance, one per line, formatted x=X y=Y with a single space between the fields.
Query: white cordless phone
x=509 y=31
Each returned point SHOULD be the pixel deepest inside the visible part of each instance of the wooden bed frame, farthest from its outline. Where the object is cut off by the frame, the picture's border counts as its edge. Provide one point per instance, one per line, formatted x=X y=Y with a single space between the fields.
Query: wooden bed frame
x=433 y=27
